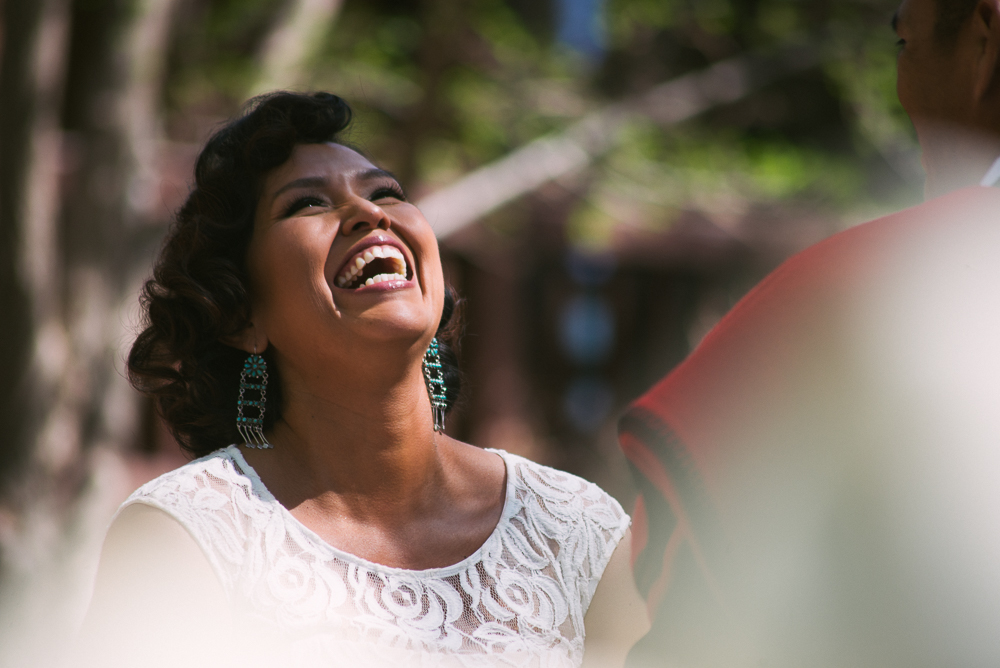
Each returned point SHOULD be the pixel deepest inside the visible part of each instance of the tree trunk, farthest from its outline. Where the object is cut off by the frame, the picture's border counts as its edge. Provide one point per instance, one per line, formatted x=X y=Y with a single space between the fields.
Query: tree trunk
x=31 y=342
x=78 y=153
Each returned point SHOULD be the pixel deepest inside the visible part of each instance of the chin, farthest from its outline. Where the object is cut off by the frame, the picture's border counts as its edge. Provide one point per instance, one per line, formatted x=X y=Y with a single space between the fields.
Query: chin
x=404 y=327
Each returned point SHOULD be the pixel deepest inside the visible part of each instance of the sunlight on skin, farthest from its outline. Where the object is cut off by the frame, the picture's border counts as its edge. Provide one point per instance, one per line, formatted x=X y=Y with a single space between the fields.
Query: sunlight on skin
x=156 y=602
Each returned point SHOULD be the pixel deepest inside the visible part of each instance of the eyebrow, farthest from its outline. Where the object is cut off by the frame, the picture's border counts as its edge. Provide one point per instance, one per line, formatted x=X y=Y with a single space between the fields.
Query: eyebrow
x=895 y=21
x=376 y=173
x=304 y=182
x=319 y=181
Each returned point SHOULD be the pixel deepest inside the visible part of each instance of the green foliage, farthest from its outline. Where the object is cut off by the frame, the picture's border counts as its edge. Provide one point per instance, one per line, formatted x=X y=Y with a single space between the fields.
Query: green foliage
x=628 y=16
x=442 y=87
x=656 y=174
x=212 y=62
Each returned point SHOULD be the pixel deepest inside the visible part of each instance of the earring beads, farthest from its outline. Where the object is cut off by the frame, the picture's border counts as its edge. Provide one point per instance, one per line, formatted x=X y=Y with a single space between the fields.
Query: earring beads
x=253 y=378
x=434 y=377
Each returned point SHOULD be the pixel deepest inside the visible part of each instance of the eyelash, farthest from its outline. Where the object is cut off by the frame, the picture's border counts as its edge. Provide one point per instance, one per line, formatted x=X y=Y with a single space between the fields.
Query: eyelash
x=393 y=190
x=302 y=203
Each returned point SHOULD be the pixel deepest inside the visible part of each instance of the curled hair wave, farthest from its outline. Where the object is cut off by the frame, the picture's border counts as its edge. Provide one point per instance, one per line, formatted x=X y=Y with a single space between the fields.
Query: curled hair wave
x=198 y=294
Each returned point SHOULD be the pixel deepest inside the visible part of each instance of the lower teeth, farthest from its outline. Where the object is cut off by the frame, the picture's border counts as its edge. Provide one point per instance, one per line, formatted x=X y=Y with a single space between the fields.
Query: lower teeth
x=381 y=278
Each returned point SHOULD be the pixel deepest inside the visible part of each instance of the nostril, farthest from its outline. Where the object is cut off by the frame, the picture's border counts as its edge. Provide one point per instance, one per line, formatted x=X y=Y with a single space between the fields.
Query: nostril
x=366 y=217
x=359 y=223
x=353 y=226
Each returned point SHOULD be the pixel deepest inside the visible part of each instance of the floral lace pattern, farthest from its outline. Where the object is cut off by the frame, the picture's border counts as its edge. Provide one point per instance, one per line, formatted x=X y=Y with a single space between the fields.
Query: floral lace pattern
x=519 y=600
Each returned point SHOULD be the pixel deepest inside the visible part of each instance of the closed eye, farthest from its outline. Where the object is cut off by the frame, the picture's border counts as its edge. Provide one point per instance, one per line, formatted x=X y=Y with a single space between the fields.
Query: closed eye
x=390 y=190
x=303 y=203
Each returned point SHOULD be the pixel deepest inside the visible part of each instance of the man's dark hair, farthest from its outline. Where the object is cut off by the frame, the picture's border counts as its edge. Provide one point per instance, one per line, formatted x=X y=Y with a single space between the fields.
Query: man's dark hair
x=951 y=16
x=198 y=295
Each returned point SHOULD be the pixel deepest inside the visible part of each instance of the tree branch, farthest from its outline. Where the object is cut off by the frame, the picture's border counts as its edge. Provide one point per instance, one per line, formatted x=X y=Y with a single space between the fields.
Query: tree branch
x=486 y=189
x=293 y=42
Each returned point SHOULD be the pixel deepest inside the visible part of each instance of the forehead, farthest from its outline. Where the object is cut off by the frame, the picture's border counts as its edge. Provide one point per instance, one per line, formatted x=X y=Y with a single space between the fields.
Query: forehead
x=320 y=160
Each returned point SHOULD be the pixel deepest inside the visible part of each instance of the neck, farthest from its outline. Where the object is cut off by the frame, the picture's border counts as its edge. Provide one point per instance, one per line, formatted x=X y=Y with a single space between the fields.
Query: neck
x=956 y=158
x=368 y=437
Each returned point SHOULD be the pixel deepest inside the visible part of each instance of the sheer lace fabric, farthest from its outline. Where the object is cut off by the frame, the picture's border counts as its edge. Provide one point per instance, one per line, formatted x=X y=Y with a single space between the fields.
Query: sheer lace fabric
x=519 y=600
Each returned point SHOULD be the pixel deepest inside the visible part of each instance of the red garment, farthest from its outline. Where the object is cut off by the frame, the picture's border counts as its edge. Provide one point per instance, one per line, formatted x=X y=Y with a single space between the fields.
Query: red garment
x=804 y=400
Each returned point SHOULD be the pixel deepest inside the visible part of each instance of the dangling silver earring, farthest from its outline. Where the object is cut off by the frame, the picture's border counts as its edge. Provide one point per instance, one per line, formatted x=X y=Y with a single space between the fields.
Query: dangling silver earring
x=434 y=377
x=253 y=377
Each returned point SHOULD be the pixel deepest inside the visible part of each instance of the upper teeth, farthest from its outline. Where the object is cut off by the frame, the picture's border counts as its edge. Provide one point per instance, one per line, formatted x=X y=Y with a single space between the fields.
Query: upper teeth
x=357 y=264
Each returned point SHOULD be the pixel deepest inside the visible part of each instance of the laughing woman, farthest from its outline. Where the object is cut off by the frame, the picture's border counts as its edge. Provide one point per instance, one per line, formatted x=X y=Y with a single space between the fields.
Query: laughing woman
x=299 y=343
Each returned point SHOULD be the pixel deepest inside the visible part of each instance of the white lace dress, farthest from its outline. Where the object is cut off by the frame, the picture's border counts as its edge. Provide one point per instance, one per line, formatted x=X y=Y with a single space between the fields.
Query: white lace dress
x=519 y=600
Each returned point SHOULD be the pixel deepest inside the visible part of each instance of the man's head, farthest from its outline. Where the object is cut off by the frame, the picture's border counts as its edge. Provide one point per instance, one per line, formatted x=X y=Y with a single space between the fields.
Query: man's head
x=949 y=83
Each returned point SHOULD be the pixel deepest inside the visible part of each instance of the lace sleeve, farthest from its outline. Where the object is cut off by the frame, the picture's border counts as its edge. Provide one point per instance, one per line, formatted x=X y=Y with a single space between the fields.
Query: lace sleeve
x=606 y=523
x=212 y=502
x=584 y=522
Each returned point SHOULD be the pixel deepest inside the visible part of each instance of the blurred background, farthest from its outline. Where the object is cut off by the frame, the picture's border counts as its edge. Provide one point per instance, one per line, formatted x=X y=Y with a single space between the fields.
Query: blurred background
x=606 y=177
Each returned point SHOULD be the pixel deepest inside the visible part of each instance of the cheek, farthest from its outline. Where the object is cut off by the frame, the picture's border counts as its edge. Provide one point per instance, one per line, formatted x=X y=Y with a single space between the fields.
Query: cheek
x=287 y=266
x=912 y=83
x=434 y=270
x=431 y=273
x=932 y=86
x=423 y=243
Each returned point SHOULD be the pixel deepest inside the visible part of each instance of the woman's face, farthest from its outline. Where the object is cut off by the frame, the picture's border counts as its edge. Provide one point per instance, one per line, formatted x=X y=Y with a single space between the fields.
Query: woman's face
x=339 y=261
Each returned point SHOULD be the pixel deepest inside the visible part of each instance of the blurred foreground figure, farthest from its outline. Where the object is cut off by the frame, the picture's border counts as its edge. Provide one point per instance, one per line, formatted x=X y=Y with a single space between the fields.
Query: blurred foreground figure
x=820 y=479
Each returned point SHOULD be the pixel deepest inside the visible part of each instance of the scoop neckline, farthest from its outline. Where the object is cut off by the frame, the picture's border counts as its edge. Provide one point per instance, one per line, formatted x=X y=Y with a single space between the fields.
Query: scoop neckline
x=265 y=495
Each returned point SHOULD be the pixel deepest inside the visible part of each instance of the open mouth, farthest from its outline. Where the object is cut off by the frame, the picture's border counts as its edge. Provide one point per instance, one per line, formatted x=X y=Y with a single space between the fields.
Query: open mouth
x=375 y=264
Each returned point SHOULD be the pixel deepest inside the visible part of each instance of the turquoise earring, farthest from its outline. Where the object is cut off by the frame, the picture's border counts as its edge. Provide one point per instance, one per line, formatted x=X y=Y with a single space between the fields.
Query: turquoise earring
x=253 y=378
x=434 y=377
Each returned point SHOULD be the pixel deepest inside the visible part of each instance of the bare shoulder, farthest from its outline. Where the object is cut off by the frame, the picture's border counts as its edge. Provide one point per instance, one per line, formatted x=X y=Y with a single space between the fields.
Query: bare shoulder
x=146 y=528
x=148 y=557
x=155 y=596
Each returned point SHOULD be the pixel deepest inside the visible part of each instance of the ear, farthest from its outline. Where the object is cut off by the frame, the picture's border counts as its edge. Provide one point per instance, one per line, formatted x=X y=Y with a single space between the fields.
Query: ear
x=250 y=340
x=986 y=27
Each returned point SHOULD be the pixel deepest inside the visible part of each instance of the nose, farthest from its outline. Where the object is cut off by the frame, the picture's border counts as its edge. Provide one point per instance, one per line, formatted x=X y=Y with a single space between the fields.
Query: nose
x=363 y=215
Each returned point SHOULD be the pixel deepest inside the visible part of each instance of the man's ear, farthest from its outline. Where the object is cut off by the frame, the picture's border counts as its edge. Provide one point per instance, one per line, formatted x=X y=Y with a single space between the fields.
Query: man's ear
x=986 y=28
x=253 y=339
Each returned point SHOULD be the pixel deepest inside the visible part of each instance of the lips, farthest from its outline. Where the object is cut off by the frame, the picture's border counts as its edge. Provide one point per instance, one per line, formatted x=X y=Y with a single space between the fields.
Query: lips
x=377 y=262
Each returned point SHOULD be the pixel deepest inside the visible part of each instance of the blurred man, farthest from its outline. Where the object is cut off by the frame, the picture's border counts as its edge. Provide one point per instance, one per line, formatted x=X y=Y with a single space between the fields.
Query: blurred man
x=820 y=479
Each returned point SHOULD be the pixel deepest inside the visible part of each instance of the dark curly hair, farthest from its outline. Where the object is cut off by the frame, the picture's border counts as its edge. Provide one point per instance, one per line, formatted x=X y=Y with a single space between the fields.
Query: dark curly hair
x=951 y=15
x=199 y=295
